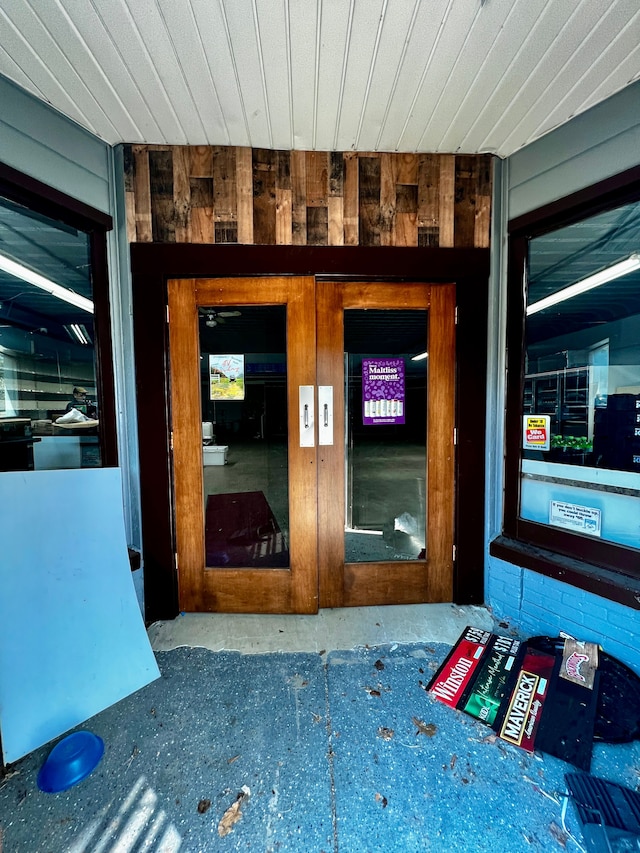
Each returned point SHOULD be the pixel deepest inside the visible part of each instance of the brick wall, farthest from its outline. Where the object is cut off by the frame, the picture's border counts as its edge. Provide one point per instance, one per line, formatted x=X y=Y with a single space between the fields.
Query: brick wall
x=535 y=604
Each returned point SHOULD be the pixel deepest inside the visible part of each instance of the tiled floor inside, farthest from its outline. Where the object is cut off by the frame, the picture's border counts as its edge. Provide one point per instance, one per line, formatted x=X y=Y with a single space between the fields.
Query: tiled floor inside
x=314 y=734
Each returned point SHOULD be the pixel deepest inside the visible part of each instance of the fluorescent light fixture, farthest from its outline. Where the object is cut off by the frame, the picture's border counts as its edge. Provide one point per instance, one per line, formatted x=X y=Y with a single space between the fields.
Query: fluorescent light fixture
x=43 y=283
x=616 y=271
x=420 y=357
x=79 y=333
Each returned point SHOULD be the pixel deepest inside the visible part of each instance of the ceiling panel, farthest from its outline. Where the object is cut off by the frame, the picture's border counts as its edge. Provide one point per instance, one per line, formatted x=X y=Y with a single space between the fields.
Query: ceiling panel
x=451 y=35
x=249 y=58
x=463 y=113
x=420 y=45
x=397 y=26
x=388 y=75
x=24 y=41
x=527 y=77
x=335 y=29
x=363 y=46
x=217 y=61
x=302 y=26
x=553 y=91
x=275 y=76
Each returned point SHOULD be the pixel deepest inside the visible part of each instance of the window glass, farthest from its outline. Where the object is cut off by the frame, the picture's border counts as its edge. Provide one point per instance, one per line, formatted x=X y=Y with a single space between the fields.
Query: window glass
x=580 y=465
x=49 y=415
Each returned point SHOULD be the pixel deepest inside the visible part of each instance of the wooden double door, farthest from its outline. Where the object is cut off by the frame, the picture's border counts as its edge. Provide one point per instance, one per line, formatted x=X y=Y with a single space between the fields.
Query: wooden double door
x=313 y=442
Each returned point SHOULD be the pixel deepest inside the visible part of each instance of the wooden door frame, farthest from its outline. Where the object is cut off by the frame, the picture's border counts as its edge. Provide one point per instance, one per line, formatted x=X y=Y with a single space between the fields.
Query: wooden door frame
x=405 y=581
x=152 y=265
x=246 y=590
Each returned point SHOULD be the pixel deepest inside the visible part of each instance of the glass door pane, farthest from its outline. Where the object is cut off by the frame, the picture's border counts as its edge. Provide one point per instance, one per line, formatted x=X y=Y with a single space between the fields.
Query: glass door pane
x=385 y=435
x=243 y=375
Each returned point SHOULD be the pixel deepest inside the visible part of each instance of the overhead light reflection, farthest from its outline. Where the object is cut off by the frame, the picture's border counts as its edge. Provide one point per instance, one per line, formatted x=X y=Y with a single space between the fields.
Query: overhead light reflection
x=37 y=280
x=79 y=333
x=609 y=274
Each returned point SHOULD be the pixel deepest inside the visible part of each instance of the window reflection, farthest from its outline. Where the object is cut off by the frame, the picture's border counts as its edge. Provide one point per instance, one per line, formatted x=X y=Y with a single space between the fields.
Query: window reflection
x=582 y=373
x=386 y=432
x=48 y=396
x=243 y=372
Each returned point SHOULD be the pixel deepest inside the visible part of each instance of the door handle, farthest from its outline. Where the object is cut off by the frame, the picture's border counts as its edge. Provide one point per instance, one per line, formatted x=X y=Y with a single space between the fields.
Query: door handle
x=306 y=415
x=325 y=404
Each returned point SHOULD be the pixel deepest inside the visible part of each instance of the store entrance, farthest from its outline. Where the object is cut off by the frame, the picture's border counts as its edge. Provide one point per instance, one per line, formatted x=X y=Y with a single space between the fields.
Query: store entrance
x=313 y=458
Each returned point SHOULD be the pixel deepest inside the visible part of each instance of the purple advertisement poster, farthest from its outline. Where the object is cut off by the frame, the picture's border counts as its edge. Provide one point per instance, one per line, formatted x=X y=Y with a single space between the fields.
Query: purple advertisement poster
x=382 y=391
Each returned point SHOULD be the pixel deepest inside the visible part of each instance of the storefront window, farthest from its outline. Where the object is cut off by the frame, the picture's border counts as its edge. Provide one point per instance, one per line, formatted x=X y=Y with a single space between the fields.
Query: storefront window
x=572 y=486
x=581 y=403
x=50 y=402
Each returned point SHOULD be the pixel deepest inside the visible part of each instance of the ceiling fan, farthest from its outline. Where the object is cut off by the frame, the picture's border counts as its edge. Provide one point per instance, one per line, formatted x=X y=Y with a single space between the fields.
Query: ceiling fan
x=213 y=318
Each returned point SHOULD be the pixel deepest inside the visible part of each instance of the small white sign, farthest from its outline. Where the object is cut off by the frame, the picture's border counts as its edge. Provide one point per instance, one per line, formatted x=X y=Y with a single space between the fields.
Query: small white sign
x=580 y=519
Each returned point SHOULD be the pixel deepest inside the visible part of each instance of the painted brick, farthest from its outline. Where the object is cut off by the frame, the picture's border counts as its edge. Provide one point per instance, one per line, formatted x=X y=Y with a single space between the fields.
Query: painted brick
x=594 y=607
x=504 y=592
x=505 y=570
x=619 y=635
x=624 y=617
x=549 y=606
x=539 y=598
x=533 y=614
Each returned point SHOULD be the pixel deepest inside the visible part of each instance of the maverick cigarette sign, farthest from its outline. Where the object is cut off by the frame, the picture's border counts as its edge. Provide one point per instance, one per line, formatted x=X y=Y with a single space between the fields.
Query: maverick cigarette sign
x=524 y=711
x=383 y=391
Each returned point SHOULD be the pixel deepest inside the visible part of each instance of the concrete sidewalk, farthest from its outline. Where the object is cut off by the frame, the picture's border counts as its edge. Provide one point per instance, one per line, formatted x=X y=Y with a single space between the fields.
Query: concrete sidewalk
x=341 y=751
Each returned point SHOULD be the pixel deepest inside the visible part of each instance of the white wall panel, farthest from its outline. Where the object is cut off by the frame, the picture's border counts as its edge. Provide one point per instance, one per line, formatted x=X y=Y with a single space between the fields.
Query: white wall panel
x=595 y=145
x=369 y=75
x=584 y=92
x=275 y=73
x=162 y=87
x=10 y=69
x=49 y=147
x=97 y=97
x=624 y=73
x=108 y=73
x=527 y=77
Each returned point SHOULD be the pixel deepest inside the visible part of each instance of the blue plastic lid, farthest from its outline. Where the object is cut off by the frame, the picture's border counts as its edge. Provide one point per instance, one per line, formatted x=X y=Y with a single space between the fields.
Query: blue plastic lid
x=70 y=761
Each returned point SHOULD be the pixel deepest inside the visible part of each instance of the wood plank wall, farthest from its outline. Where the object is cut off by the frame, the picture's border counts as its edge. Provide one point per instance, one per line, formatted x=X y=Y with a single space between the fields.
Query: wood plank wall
x=214 y=194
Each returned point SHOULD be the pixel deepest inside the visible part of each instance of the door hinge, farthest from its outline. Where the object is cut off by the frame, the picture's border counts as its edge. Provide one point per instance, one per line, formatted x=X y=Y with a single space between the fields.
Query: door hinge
x=168 y=313
x=171 y=440
x=175 y=556
x=453 y=555
x=455 y=436
x=455 y=316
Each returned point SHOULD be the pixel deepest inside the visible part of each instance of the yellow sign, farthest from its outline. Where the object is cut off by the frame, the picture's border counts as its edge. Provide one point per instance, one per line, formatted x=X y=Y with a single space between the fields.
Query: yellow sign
x=536 y=429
